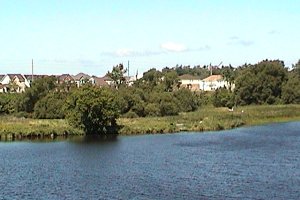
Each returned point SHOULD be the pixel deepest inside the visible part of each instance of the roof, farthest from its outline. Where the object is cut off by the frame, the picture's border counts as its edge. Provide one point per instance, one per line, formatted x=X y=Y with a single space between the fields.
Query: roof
x=29 y=76
x=81 y=76
x=100 y=81
x=19 y=76
x=1 y=76
x=65 y=77
x=188 y=77
x=213 y=78
x=107 y=78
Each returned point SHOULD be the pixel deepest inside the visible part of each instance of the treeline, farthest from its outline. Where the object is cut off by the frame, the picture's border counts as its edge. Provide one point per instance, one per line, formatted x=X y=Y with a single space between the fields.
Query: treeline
x=158 y=93
x=268 y=82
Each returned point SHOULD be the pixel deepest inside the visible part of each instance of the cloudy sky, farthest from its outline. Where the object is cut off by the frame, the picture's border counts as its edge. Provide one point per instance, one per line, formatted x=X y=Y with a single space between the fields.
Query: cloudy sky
x=71 y=36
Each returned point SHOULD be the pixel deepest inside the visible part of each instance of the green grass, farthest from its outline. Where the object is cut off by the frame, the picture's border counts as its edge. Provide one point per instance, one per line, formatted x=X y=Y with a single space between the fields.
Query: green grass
x=12 y=127
x=205 y=119
x=210 y=118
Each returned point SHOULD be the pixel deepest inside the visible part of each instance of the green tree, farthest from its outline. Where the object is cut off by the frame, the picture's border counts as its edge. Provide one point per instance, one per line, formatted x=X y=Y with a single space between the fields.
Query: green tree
x=93 y=109
x=117 y=75
x=50 y=106
x=39 y=89
x=223 y=97
x=291 y=89
x=261 y=83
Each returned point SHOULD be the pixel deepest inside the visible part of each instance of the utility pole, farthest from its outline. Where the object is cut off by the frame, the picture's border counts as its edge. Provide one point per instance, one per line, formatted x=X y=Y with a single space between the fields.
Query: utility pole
x=128 y=68
x=32 y=70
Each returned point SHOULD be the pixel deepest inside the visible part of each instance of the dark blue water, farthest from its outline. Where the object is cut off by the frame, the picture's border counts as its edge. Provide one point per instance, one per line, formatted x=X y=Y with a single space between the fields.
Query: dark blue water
x=248 y=163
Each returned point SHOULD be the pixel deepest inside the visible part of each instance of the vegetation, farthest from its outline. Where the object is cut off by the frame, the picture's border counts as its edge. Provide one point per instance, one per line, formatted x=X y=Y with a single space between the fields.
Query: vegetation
x=157 y=102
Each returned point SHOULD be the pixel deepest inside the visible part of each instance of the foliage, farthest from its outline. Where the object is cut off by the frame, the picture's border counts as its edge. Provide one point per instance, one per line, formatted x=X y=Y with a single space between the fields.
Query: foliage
x=117 y=75
x=223 y=97
x=50 y=106
x=9 y=102
x=93 y=110
x=291 y=89
x=260 y=83
x=39 y=89
x=188 y=101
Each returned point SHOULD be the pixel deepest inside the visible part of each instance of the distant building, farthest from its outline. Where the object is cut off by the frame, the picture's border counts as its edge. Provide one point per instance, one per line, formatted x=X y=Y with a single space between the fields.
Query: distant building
x=214 y=82
x=14 y=83
x=81 y=79
x=191 y=82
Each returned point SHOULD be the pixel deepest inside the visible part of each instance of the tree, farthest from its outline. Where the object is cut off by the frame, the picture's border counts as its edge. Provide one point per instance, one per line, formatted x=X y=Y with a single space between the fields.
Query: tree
x=39 y=89
x=50 y=106
x=260 y=83
x=93 y=109
x=223 y=97
x=117 y=75
x=291 y=89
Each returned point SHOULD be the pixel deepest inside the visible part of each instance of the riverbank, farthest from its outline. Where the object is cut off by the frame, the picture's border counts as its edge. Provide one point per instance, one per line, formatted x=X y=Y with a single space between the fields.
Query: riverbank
x=205 y=119
x=211 y=119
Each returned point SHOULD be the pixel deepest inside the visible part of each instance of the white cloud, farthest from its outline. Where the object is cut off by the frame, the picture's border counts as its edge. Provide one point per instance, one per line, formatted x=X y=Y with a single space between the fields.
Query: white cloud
x=173 y=47
x=234 y=40
x=123 y=52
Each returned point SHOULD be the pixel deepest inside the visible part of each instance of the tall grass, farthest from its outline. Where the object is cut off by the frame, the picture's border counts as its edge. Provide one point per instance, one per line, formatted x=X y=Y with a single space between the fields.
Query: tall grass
x=12 y=127
x=211 y=118
x=205 y=119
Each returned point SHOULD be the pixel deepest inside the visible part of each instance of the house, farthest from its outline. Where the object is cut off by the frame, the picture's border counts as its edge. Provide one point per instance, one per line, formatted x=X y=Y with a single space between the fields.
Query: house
x=65 y=78
x=108 y=80
x=82 y=78
x=213 y=82
x=191 y=82
x=100 y=82
x=14 y=83
x=30 y=77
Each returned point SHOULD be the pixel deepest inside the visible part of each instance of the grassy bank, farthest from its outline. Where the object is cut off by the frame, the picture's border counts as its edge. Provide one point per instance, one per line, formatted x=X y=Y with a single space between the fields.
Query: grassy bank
x=205 y=119
x=18 y=128
x=210 y=118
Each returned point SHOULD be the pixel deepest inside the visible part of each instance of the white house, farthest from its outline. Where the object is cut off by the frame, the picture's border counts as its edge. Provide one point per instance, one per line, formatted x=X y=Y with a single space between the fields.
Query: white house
x=213 y=82
x=14 y=83
x=191 y=82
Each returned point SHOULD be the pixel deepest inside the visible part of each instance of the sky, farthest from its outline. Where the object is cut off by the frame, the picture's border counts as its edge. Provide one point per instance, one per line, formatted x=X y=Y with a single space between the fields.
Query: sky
x=92 y=36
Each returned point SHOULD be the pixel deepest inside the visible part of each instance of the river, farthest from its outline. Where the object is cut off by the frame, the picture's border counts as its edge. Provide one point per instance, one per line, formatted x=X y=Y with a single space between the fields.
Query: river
x=260 y=162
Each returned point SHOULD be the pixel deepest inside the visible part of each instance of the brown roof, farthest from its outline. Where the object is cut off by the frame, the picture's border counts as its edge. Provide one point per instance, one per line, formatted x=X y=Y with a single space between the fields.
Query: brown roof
x=213 y=78
x=81 y=76
x=65 y=77
x=188 y=77
x=29 y=76
x=1 y=76
x=19 y=76
x=100 y=81
x=107 y=78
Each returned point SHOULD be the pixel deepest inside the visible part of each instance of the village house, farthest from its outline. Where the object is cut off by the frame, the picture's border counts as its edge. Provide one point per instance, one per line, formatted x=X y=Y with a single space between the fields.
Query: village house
x=13 y=83
x=189 y=81
x=214 y=82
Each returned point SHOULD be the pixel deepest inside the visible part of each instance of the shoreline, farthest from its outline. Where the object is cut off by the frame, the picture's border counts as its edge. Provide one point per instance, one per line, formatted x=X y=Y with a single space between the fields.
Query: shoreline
x=205 y=119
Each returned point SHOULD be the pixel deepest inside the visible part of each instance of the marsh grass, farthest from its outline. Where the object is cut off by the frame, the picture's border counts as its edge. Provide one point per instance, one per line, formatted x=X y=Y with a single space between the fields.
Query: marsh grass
x=12 y=127
x=211 y=118
x=205 y=119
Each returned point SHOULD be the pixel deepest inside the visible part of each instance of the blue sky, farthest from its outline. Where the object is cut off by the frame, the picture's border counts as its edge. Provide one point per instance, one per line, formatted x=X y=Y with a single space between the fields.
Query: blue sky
x=71 y=36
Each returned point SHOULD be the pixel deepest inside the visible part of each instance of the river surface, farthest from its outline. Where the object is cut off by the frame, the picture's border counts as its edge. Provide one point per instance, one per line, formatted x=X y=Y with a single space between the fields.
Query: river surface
x=261 y=162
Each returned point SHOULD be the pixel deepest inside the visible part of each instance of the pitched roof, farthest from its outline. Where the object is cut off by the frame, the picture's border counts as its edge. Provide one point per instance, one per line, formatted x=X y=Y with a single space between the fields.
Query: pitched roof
x=81 y=76
x=213 y=78
x=107 y=78
x=1 y=76
x=29 y=76
x=65 y=77
x=19 y=76
x=100 y=81
x=188 y=77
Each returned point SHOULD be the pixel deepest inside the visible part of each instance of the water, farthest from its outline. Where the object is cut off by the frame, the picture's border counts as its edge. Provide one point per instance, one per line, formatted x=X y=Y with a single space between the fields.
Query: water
x=248 y=163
